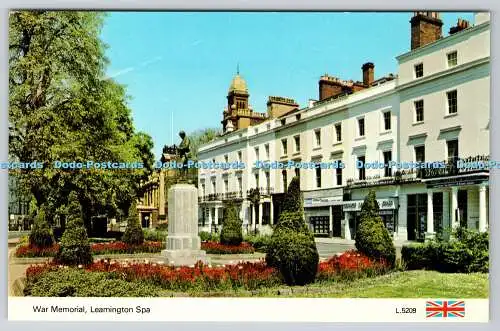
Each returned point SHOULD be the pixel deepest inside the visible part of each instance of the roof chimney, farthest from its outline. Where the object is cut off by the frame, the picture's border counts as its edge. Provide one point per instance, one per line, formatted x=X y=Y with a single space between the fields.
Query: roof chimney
x=368 y=73
x=461 y=25
x=426 y=27
x=279 y=106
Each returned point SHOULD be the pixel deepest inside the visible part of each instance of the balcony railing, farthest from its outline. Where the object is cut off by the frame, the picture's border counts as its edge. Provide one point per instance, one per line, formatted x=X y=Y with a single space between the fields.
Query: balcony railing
x=453 y=167
x=264 y=191
x=210 y=197
x=235 y=195
x=458 y=166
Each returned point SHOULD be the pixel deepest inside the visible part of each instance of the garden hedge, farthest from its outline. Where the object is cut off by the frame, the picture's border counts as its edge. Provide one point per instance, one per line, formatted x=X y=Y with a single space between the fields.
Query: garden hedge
x=466 y=252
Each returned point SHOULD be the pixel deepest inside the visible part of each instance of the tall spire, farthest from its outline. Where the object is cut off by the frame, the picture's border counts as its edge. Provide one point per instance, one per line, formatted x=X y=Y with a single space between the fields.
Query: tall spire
x=237 y=68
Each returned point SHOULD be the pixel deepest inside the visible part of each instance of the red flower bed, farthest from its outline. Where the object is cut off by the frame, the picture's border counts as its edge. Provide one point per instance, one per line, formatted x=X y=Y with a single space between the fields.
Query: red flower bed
x=242 y=275
x=212 y=247
x=350 y=265
x=116 y=247
x=33 y=251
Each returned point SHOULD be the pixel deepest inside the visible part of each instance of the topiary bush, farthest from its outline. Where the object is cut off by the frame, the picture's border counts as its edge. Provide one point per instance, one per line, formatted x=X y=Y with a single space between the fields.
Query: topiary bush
x=295 y=255
x=291 y=248
x=292 y=220
x=293 y=201
x=289 y=221
x=74 y=248
x=372 y=238
x=231 y=233
x=133 y=233
x=41 y=235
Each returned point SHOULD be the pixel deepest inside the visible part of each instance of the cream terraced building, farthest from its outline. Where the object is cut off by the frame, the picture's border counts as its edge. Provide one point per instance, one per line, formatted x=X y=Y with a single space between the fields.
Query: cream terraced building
x=435 y=109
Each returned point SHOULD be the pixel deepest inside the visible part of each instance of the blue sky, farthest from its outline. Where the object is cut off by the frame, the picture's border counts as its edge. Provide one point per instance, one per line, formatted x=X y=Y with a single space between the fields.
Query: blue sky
x=183 y=62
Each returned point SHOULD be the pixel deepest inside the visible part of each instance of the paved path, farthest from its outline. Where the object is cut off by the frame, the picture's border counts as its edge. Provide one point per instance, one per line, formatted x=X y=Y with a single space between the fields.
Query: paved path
x=15 y=270
x=326 y=250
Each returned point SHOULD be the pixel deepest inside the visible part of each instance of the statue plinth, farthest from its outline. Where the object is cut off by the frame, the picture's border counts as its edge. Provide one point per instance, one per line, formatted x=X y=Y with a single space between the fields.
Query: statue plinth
x=183 y=242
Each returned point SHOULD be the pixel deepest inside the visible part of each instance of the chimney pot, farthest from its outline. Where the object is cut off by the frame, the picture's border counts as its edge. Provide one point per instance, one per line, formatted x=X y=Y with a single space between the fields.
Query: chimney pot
x=426 y=27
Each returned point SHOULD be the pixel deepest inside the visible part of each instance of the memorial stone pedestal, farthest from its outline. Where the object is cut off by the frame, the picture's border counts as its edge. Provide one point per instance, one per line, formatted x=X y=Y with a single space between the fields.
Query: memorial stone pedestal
x=183 y=242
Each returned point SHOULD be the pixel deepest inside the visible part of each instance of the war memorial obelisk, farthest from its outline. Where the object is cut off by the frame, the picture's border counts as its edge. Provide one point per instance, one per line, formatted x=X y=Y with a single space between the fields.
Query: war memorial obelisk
x=183 y=241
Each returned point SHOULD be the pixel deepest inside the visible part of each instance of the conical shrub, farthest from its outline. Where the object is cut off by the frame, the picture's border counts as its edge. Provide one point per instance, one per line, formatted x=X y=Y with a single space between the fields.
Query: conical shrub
x=231 y=233
x=372 y=238
x=133 y=233
x=74 y=247
x=293 y=201
x=292 y=249
x=41 y=234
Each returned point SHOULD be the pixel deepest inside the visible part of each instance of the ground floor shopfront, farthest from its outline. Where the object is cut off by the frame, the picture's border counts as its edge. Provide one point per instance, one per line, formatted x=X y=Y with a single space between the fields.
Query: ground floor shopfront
x=437 y=206
x=336 y=213
x=412 y=211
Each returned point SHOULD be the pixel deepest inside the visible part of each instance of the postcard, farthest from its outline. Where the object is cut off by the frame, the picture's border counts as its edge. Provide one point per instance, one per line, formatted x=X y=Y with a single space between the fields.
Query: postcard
x=199 y=166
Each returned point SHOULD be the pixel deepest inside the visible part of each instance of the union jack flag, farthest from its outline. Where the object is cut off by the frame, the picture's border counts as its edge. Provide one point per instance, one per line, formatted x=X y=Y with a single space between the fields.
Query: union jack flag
x=445 y=308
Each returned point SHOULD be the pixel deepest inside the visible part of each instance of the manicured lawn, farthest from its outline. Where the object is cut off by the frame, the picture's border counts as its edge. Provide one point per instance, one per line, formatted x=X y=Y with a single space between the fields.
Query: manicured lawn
x=408 y=284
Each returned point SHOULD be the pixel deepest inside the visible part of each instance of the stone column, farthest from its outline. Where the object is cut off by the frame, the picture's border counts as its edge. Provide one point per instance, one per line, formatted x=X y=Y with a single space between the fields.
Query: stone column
x=446 y=211
x=260 y=214
x=402 y=231
x=330 y=222
x=157 y=197
x=347 y=230
x=430 y=216
x=210 y=219
x=271 y=212
x=482 y=208
x=252 y=210
x=454 y=206
x=217 y=215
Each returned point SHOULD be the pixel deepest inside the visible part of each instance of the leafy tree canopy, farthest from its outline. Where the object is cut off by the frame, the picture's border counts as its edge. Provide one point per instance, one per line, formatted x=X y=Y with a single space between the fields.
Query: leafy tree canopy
x=63 y=108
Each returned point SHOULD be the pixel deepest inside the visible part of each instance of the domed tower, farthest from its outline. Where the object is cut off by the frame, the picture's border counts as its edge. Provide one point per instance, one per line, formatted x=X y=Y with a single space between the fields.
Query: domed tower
x=238 y=93
x=238 y=111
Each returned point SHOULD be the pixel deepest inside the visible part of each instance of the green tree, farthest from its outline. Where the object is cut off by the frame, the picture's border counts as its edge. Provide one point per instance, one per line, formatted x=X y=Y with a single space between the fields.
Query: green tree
x=41 y=234
x=74 y=247
x=133 y=233
x=372 y=238
x=201 y=137
x=62 y=107
x=231 y=233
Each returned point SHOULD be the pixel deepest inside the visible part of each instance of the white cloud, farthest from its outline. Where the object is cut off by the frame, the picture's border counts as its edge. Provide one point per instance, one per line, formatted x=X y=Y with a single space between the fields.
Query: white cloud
x=130 y=69
x=121 y=72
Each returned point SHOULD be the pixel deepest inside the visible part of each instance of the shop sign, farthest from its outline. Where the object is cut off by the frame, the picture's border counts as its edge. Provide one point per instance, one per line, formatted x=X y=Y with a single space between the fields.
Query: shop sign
x=318 y=202
x=356 y=205
x=454 y=182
